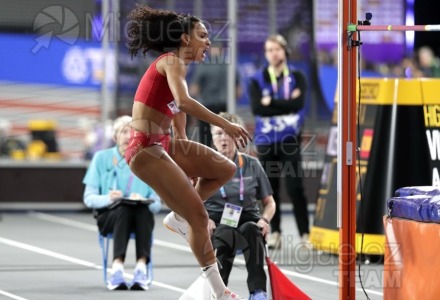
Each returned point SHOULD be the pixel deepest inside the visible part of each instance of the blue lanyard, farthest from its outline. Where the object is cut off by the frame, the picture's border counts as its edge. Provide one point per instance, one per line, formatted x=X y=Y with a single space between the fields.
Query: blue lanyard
x=240 y=168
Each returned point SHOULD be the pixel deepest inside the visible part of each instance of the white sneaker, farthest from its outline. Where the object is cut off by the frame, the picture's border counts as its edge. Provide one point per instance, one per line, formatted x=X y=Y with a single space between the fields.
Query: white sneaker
x=117 y=281
x=140 y=281
x=172 y=223
x=228 y=295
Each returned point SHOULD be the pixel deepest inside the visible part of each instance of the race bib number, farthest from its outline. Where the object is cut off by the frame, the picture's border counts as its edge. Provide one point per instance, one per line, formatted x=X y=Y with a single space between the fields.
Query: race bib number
x=173 y=107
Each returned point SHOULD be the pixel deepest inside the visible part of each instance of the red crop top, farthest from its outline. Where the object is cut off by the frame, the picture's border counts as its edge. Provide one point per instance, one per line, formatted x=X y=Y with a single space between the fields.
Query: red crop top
x=153 y=90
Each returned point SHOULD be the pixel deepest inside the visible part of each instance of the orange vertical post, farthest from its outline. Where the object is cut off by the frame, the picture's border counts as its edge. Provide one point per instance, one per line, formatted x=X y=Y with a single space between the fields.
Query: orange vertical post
x=346 y=191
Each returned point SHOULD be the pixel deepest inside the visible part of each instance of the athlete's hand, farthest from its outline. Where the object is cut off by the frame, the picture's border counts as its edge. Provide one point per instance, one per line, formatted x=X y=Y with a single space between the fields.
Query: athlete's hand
x=238 y=134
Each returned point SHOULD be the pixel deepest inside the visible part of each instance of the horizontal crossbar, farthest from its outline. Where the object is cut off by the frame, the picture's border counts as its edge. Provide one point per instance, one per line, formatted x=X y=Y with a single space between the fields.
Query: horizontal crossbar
x=353 y=27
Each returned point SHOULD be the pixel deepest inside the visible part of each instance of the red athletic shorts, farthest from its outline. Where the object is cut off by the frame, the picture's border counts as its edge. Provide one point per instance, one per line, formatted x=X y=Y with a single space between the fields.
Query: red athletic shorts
x=140 y=140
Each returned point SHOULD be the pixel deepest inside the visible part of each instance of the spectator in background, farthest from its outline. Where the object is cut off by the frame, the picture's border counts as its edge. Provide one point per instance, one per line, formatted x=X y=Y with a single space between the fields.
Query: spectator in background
x=247 y=227
x=98 y=136
x=108 y=179
x=429 y=64
x=277 y=96
x=209 y=85
x=10 y=146
x=406 y=68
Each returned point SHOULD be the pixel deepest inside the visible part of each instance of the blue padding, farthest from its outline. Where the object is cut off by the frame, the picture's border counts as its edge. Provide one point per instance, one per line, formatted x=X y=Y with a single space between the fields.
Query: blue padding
x=422 y=208
x=417 y=190
x=434 y=209
x=407 y=207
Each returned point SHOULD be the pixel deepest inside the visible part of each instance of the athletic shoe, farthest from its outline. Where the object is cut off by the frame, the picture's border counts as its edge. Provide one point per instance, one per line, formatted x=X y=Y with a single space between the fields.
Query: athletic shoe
x=305 y=242
x=172 y=223
x=140 y=281
x=228 y=295
x=274 y=241
x=117 y=281
x=258 y=295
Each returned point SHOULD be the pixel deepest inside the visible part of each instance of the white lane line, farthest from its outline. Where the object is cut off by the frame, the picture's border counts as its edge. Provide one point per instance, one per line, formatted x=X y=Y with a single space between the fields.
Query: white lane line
x=172 y=245
x=94 y=228
x=74 y=260
x=63 y=221
x=12 y=296
x=49 y=253
x=82 y=225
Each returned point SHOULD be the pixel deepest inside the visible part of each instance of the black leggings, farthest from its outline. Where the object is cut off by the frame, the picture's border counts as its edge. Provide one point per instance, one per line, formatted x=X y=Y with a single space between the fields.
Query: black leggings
x=284 y=160
x=248 y=238
x=121 y=222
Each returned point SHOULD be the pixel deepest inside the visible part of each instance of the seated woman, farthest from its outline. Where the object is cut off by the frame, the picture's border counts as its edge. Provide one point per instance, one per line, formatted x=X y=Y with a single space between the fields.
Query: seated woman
x=235 y=221
x=109 y=179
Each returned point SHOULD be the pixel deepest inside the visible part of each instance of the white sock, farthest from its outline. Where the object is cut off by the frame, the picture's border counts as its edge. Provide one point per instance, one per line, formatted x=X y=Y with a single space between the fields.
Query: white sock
x=141 y=266
x=116 y=267
x=215 y=280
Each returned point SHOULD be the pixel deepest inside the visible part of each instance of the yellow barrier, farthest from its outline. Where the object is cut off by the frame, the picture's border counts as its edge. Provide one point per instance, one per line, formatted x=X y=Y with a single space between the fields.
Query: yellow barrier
x=399 y=134
x=43 y=144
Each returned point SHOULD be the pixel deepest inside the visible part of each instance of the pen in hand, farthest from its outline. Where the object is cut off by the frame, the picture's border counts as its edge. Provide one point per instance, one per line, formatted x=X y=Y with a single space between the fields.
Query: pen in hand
x=115 y=194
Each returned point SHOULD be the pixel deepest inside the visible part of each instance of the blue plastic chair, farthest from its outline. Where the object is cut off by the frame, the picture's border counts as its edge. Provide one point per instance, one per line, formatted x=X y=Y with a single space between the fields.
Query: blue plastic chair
x=104 y=243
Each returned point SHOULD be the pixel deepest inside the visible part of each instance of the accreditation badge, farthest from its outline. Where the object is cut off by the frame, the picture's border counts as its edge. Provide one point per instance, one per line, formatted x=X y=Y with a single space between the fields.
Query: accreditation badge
x=231 y=215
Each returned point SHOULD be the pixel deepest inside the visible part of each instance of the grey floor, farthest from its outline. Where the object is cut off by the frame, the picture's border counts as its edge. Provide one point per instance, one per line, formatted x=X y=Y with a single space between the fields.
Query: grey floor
x=53 y=256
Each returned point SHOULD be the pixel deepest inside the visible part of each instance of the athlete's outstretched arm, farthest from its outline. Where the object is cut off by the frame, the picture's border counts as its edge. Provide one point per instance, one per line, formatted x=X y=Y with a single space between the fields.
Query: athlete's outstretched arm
x=175 y=73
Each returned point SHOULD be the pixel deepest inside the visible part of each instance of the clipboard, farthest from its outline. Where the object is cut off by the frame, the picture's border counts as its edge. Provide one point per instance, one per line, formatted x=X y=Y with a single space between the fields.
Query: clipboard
x=129 y=201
